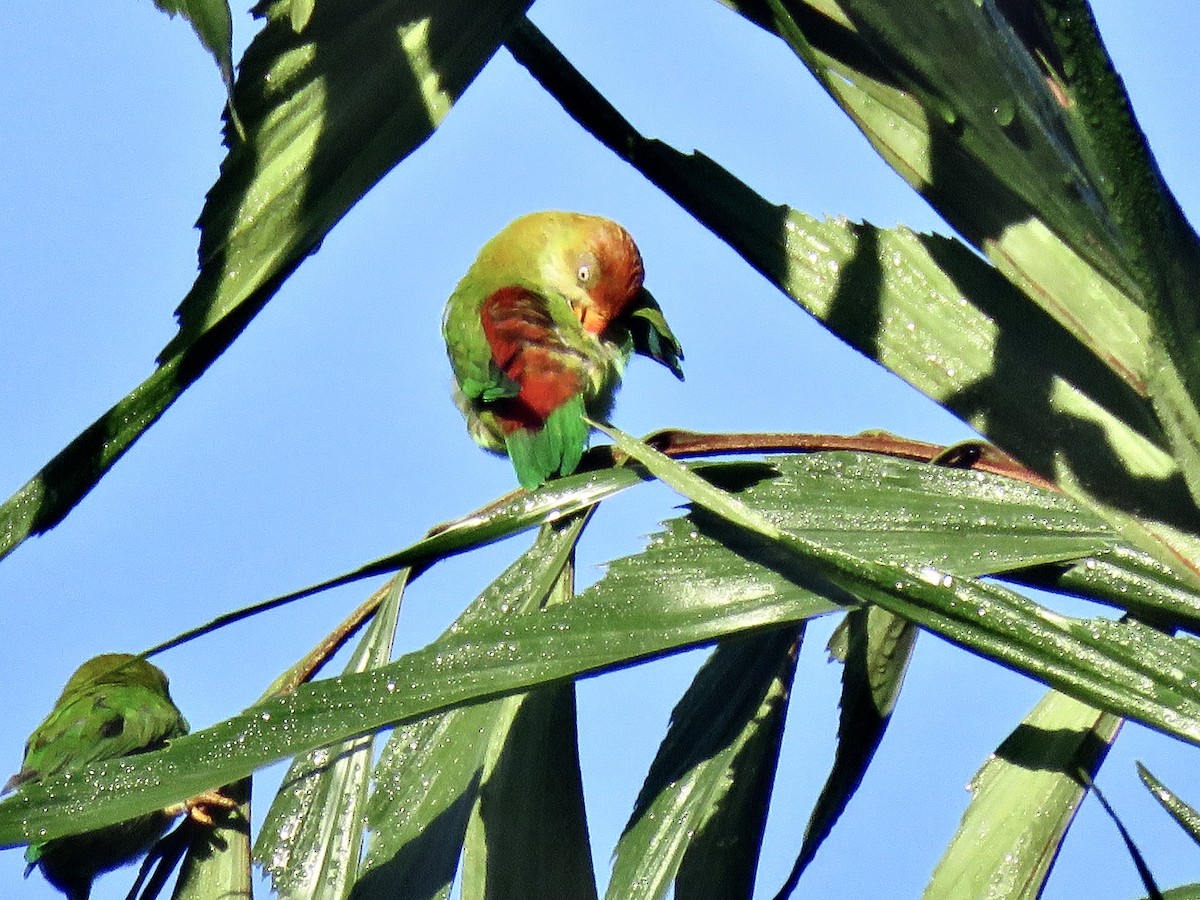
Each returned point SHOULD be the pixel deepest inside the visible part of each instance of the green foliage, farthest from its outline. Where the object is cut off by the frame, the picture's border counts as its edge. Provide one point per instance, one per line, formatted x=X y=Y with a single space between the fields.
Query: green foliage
x=1069 y=340
x=1023 y=800
x=213 y=24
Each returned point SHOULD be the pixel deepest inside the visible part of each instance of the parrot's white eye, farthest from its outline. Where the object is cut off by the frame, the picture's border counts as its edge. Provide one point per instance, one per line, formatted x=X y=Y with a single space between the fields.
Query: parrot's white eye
x=584 y=274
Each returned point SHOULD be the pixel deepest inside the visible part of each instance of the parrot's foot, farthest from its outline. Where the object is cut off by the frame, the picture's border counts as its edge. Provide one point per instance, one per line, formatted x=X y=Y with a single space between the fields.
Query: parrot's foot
x=201 y=808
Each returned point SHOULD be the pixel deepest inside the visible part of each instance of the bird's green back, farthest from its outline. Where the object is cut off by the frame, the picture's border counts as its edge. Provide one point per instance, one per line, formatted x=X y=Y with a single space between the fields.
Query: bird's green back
x=114 y=705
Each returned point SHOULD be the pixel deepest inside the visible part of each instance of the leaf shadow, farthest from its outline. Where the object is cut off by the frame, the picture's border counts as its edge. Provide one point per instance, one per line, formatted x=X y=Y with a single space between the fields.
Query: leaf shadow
x=423 y=869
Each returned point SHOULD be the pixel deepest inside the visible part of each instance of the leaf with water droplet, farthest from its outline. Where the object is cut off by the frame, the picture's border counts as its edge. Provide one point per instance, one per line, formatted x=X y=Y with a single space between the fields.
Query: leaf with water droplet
x=1186 y=815
x=311 y=840
x=1023 y=800
x=699 y=817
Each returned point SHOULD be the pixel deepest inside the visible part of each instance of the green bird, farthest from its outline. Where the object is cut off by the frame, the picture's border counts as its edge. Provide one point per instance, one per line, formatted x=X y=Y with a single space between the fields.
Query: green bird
x=114 y=705
x=539 y=331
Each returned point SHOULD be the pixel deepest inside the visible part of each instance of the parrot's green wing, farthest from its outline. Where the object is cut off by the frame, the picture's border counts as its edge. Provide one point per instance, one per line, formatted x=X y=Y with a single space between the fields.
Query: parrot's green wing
x=479 y=378
x=117 y=721
x=496 y=386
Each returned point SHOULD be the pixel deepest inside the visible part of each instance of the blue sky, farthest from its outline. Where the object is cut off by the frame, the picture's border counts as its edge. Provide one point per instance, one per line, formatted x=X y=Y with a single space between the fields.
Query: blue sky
x=326 y=437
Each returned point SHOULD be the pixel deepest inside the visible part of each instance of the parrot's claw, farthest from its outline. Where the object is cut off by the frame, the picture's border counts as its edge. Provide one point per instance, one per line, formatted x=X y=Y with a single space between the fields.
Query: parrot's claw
x=200 y=809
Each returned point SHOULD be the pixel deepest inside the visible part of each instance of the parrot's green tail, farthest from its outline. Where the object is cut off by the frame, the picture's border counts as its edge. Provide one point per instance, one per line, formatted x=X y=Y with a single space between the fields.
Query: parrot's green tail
x=556 y=449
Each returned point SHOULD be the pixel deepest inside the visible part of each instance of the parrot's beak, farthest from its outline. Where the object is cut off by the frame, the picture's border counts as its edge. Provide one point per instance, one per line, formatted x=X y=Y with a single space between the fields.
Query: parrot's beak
x=593 y=321
x=592 y=318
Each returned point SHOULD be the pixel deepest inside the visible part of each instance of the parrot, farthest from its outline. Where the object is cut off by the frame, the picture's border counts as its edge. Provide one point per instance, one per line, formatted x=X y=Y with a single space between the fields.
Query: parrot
x=115 y=704
x=539 y=331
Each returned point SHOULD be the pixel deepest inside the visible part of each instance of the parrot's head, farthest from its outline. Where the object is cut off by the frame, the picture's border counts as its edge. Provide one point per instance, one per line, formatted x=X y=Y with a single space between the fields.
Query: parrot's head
x=593 y=264
x=116 y=669
x=607 y=272
x=591 y=261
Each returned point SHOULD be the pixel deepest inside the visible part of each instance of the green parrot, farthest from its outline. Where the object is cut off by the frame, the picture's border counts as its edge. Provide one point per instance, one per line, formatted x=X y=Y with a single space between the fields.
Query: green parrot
x=114 y=705
x=539 y=331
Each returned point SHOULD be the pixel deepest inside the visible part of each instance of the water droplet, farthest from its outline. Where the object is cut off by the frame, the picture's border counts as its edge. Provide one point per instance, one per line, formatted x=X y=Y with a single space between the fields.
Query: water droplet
x=933 y=576
x=1004 y=112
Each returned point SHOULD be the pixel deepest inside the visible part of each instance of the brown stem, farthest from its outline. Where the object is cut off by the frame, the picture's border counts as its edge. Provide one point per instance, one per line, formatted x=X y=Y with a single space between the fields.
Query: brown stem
x=306 y=668
x=978 y=455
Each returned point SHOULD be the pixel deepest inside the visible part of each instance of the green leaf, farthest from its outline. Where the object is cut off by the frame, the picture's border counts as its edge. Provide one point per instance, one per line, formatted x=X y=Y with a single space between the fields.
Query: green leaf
x=213 y=24
x=327 y=113
x=691 y=561
x=968 y=523
x=896 y=510
x=1024 y=799
x=1127 y=578
x=722 y=860
x=1185 y=815
x=527 y=836
x=1183 y=892
x=1124 y=667
x=1031 y=153
x=700 y=814
x=954 y=101
x=884 y=509
x=888 y=509
x=418 y=820
x=875 y=647
x=44 y=500
x=511 y=514
x=311 y=839
x=478 y=662
x=300 y=13
x=422 y=799
x=1163 y=248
